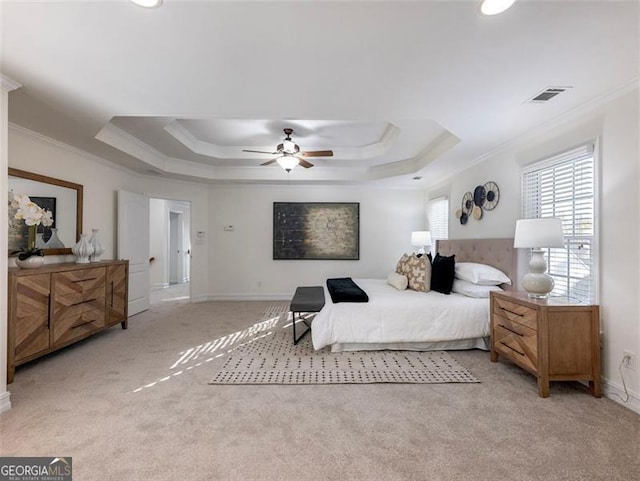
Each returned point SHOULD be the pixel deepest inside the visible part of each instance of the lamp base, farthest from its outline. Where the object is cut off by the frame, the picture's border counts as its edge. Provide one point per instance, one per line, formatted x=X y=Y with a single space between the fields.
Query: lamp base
x=536 y=282
x=537 y=285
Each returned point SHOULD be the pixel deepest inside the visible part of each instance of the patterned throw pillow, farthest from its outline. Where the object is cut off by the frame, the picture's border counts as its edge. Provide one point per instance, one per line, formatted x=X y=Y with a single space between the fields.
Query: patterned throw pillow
x=403 y=264
x=419 y=273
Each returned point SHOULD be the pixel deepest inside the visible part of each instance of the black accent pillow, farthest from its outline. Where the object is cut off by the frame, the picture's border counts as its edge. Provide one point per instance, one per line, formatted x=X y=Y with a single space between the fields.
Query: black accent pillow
x=443 y=271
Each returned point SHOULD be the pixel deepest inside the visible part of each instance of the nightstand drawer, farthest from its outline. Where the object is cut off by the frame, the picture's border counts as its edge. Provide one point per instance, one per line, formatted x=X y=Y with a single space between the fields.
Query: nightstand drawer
x=516 y=313
x=517 y=343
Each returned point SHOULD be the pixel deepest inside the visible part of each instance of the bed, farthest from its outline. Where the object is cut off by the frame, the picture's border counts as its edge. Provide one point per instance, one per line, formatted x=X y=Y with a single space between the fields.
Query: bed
x=410 y=320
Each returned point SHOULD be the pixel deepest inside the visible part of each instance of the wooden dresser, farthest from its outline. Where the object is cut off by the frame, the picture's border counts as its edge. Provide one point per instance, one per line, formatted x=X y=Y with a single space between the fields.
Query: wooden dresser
x=59 y=304
x=552 y=339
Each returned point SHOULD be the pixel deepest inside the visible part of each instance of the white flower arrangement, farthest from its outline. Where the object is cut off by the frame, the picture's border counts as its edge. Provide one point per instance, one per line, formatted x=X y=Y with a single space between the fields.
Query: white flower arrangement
x=33 y=215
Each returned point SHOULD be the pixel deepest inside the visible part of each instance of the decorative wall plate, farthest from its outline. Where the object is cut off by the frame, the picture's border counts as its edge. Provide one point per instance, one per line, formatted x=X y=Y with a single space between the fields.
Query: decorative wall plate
x=492 y=194
x=467 y=203
x=477 y=213
x=479 y=196
x=464 y=218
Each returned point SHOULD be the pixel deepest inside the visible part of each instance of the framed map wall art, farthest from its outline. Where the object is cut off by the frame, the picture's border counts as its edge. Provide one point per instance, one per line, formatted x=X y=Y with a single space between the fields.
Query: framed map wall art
x=316 y=230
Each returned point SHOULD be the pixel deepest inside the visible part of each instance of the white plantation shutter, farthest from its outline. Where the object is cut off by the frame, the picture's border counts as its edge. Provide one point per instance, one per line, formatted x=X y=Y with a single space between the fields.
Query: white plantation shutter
x=564 y=186
x=438 y=214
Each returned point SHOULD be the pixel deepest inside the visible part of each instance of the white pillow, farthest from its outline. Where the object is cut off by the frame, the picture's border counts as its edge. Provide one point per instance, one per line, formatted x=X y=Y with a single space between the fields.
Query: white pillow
x=398 y=281
x=480 y=274
x=472 y=290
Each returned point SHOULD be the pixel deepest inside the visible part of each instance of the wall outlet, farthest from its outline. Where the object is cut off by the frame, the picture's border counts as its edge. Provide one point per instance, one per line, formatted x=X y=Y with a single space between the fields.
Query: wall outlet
x=629 y=360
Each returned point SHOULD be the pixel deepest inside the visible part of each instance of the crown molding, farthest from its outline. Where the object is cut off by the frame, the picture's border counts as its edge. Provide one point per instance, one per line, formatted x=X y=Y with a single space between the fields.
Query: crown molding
x=69 y=148
x=190 y=141
x=581 y=110
x=7 y=84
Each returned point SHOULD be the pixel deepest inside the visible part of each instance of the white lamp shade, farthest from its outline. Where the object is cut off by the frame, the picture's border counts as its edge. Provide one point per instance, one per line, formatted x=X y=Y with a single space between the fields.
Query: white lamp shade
x=288 y=162
x=545 y=232
x=421 y=238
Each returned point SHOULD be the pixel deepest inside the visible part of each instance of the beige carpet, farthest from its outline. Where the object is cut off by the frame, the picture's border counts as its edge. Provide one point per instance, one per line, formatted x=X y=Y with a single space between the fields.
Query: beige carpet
x=272 y=358
x=136 y=405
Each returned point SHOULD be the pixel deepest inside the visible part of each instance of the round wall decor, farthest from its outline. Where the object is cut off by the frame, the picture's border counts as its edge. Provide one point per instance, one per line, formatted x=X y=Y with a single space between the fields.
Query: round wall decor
x=492 y=194
x=467 y=203
x=483 y=198
x=479 y=196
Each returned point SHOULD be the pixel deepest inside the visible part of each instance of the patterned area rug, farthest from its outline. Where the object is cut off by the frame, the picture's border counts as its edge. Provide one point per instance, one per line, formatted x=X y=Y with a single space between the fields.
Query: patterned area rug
x=273 y=359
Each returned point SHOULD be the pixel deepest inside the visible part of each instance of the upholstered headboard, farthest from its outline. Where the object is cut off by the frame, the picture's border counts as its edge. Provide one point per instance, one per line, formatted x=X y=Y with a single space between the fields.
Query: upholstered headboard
x=498 y=253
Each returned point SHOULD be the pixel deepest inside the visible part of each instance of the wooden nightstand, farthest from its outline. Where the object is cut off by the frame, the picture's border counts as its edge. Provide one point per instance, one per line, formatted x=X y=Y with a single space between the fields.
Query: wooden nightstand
x=552 y=339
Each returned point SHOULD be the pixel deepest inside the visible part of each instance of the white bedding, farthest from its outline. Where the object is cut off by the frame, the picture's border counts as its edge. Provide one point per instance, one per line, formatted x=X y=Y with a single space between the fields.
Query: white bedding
x=393 y=317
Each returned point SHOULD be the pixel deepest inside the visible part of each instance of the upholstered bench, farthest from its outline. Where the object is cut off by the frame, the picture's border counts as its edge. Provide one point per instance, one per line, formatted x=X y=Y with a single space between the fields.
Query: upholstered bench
x=306 y=299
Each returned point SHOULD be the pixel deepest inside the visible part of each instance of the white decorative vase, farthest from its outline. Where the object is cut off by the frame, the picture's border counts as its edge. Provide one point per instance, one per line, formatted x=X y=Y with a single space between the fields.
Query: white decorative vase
x=40 y=243
x=54 y=241
x=98 y=250
x=82 y=250
x=32 y=262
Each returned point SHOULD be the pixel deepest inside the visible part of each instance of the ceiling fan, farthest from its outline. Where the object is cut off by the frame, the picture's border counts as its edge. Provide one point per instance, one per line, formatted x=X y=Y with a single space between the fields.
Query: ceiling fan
x=289 y=154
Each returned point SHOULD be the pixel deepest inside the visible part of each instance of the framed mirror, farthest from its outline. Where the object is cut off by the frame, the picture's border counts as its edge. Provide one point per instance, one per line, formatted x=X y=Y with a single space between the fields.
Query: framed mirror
x=62 y=198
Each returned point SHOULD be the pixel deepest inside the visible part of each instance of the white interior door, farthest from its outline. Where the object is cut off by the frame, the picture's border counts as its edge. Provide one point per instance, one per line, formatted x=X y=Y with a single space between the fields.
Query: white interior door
x=175 y=248
x=133 y=244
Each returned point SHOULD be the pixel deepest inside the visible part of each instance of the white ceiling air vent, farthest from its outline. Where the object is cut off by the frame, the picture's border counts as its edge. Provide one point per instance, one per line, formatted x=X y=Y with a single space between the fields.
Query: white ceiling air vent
x=547 y=94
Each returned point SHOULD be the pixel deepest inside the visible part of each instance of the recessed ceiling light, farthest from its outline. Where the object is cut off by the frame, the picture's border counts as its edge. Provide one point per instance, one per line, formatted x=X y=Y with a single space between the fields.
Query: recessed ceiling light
x=494 y=7
x=148 y=3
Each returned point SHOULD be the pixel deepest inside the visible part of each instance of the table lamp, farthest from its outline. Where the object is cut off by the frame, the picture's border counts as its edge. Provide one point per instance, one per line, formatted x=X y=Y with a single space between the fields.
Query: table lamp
x=421 y=238
x=538 y=234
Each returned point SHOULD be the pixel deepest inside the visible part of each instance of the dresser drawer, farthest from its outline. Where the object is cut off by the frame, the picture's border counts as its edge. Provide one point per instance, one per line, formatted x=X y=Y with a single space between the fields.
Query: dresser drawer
x=77 y=322
x=78 y=282
x=516 y=342
x=63 y=301
x=518 y=313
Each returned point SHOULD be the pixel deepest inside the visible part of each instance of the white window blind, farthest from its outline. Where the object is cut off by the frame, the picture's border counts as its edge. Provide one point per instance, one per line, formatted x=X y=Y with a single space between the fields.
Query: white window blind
x=564 y=186
x=438 y=215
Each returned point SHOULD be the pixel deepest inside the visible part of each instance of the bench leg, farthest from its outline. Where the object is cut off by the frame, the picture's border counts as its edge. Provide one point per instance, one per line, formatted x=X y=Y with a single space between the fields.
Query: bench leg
x=297 y=339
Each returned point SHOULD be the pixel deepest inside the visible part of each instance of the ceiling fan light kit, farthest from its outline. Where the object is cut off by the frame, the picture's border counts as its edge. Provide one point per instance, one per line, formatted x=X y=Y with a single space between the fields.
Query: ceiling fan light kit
x=289 y=154
x=494 y=7
x=148 y=3
x=288 y=162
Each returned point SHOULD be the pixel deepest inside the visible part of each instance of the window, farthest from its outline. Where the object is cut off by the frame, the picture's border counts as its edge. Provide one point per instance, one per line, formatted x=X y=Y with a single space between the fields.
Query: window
x=438 y=214
x=564 y=186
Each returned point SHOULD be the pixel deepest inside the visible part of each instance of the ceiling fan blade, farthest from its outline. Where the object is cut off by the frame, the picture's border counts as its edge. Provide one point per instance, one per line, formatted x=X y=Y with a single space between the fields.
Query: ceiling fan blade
x=317 y=153
x=260 y=152
x=269 y=162
x=304 y=163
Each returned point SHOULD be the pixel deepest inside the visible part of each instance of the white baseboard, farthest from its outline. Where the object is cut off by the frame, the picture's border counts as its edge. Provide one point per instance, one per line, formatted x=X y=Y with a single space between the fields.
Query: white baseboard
x=612 y=391
x=5 y=401
x=241 y=297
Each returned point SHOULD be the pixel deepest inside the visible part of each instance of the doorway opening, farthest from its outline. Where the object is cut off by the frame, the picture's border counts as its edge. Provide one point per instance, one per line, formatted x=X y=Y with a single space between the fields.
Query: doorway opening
x=169 y=249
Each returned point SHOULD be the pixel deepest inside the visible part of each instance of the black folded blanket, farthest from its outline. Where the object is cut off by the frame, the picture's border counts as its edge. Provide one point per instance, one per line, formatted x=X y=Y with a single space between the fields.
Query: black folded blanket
x=343 y=289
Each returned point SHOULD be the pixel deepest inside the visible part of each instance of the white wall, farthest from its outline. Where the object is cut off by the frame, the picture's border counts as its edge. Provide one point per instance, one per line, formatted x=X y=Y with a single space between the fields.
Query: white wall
x=101 y=180
x=615 y=125
x=241 y=261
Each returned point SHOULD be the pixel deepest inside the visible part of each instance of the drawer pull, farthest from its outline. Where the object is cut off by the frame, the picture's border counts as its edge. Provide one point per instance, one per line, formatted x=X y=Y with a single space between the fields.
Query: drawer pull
x=83 y=324
x=85 y=280
x=514 y=350
x=83 y=302
x=511 y=312
x=511 y=330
